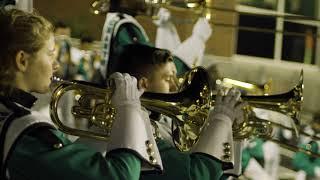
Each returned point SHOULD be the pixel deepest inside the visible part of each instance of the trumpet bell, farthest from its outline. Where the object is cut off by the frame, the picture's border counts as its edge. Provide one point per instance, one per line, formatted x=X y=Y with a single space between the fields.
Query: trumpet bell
x=288 y=103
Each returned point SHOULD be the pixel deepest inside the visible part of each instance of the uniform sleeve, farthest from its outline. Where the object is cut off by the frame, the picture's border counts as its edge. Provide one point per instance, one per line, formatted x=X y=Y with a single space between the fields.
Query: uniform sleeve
x=186 y=166
x=34 y=159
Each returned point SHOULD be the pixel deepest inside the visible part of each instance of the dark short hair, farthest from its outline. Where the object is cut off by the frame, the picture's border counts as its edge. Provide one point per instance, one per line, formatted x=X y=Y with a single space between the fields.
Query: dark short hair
x=140 y=60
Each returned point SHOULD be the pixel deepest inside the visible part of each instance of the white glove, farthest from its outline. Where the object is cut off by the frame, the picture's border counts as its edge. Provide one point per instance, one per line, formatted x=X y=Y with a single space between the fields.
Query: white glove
x=225 y=106
x=167 y=36
x=126 y=92
x=164 y=16
x=217 y=139
x=202 y=29
x=191 y=50
x=131 y=129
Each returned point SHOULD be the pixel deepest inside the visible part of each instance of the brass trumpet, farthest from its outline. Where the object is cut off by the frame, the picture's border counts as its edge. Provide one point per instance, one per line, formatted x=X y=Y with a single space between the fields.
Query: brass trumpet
x=188 y=108
x=101 y=7
x=288 y=103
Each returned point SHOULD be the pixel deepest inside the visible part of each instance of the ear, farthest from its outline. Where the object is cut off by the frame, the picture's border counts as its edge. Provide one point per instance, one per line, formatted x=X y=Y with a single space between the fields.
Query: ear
x=143 y=83
x=22 y=60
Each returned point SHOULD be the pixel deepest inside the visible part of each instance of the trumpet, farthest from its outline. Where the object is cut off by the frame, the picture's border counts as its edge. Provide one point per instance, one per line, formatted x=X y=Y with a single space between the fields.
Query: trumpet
x=188 y=108
x=101 y=7
x=252 y=89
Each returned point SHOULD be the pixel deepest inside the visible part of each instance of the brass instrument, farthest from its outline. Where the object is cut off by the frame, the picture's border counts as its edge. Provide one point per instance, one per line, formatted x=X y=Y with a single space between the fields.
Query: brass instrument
x=188 y=108
x=101 y=7
x=288 y=103
x=264 y=128
x=204 y=8
x=249 y=88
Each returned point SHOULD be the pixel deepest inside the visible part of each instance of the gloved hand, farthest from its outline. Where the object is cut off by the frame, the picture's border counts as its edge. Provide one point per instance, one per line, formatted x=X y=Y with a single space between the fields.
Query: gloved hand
x=131 y=128
x=216 y=138
x=226 y=107
x=167 y=35
x=202 y=29
x=164 y=16
x=126 y=91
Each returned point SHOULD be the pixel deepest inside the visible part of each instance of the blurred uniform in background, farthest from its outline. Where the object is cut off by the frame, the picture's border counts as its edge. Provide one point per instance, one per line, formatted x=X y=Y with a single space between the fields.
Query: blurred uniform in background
x=121 y=28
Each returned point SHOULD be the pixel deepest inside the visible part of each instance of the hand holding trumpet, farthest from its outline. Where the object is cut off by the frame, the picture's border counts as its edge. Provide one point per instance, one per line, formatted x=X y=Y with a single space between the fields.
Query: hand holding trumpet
x=228 y=104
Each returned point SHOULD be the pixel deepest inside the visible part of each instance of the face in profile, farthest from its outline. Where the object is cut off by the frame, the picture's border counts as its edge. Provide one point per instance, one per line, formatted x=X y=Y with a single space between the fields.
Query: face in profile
x=41 y=67
x=162 y=78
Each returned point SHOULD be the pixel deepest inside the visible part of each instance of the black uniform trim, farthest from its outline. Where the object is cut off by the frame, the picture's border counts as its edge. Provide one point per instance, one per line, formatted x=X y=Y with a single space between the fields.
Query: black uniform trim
x=227 y=175
x=19 y=96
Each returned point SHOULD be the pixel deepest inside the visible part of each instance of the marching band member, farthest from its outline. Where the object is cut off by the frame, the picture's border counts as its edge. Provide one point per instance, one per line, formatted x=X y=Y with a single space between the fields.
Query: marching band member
x=191 y=50
x=30 y=142
x=214 y=151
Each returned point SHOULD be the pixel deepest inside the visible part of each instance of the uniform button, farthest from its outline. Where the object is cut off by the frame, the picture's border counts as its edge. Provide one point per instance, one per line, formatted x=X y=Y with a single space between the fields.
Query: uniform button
x=152 y=160
x=227 y=152
x=150 y=151
x=57 y=146
x=227 y=145
x=149 y=144
x=226 y=158
x=135 y=39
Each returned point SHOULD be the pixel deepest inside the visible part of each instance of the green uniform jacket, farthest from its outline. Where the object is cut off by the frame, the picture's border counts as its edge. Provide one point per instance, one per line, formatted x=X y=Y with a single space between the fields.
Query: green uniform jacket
x=34 y=155
x=35 y=160
x=185 y=166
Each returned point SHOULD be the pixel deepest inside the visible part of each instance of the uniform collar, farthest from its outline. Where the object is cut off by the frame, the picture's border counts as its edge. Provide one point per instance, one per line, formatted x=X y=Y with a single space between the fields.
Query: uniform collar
x=21 y=97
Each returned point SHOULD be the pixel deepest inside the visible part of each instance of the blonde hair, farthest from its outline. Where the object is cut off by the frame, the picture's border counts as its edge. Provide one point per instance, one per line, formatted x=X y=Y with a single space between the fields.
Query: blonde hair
x=20 y=31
